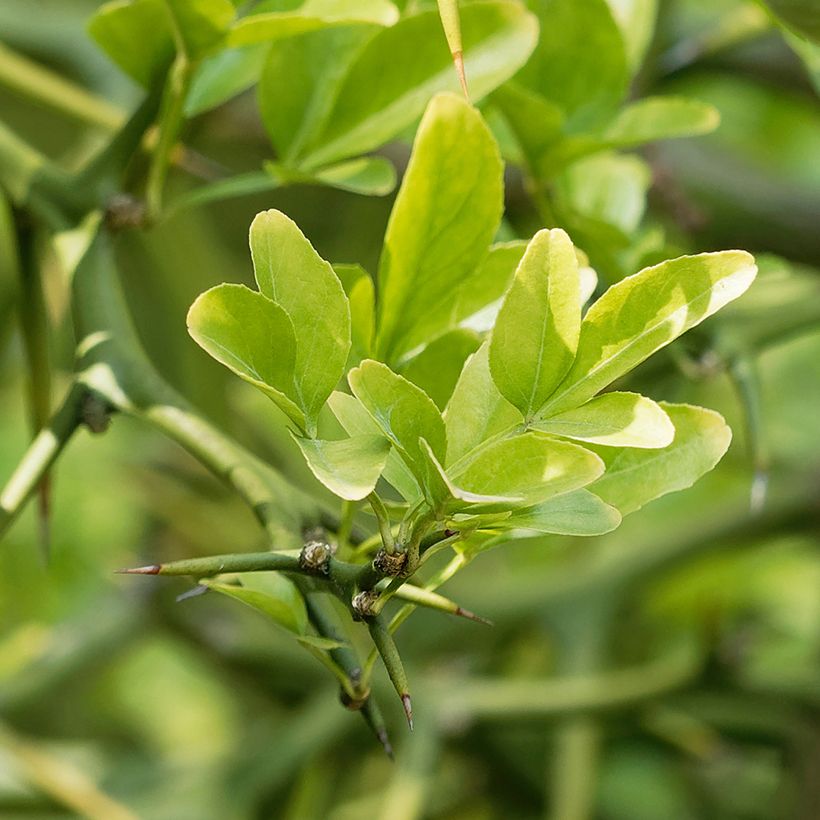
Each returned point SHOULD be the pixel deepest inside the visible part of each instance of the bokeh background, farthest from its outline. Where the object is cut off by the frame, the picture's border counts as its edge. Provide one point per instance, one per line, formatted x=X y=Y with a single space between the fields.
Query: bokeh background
x=708 y=614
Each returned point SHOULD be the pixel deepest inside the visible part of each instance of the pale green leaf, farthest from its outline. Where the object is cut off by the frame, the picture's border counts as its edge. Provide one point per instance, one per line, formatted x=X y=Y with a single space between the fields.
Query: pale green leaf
x=447 y=211
x=270 y=593
x=310 y=16
x=136 y=35
x=635 y=477
x=358 y=422
x=372 y=176
x=403 y=412
x=437 y=368
x=291 y=273
x=528 y=467
x=536 y=333
x=350 y=467
x=476 y=411
x=361 y=294
x=397 y=72
x=201 y=24
x=636 y=20
x=223 y=75
x=643 y=313
x=253 y=337
x=614 y=419
x=577 y=513
x=580 y=63
x=660 y=118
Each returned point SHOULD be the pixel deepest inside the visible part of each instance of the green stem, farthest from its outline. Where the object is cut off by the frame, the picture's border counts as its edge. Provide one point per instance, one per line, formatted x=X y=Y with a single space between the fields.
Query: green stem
x=211 y=565
x=383 y=519
x=42 y=453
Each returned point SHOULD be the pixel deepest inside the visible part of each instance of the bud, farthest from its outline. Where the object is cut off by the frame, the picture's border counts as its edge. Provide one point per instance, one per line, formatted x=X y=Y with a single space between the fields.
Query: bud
x=315 y=557
x=363 y=602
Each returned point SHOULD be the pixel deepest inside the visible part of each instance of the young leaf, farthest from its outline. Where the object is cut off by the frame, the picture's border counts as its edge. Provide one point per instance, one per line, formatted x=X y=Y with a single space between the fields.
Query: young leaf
x=476 y=410
x=437 y=368
x=614 y=419
x=577 y=513
x=660 y=118
x=349 y=468
x=291 y=273
x=529 y=467
x=136 y=36
x=635 y=477
x=392 y=79
x=447 y=211
x=357 y=422
x=253 y=337
x=536 y=333
x=361 y=294
x=310 y=16
x=403 y=412
x=643 y=313
x=200 y=24
x=270 y=593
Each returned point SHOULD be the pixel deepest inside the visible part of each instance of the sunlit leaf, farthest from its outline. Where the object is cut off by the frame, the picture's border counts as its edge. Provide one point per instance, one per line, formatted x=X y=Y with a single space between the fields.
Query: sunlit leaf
x=201 y=24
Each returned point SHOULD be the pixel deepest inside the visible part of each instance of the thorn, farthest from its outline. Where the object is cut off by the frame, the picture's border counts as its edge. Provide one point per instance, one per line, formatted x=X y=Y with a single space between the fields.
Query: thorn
x=458 y=59
x=384 y=739
x=194 y=592
x=150 y=569
x=465 y=613
x=408 y=709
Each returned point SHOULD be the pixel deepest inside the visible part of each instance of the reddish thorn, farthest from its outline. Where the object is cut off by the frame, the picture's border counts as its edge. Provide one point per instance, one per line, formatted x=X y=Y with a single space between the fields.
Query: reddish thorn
x=458 y=59
x=465 y=613
x=408 y=710
x=150 y=569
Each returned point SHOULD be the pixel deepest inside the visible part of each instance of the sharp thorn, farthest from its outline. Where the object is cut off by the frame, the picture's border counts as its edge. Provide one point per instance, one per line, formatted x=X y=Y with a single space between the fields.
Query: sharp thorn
x=150 y=569
x=458 y=59
x=465 y=613
x=408 y=709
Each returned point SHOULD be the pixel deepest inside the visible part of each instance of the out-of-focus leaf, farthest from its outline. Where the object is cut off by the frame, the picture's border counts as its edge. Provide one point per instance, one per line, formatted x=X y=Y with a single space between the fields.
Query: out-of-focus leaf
x=437 y=368
x=614 y=419
x=476 y=410
x=403 y=412
x=577 y=513
x=634 y=477
x=372 y=176
x=802 y=16
x=253 y=337
x=443 y=221
x=224 y=75
x=311 y=15
x=290 y=272
x=535 y=336
x=270 y=593
x=644 y=312
x=580 y=62
x=350 y=467
x=136 y=35
x=201 y=24
x=660 y=118
x=391 y=81
x=358 y=422
x=636 y=19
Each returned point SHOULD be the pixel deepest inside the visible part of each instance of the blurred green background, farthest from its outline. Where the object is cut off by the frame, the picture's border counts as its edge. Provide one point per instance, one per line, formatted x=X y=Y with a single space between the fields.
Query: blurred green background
x=113 y=694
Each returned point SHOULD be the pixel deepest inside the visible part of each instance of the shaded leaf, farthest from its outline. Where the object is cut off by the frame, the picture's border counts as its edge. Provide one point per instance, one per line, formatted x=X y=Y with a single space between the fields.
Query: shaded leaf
x=201 y=24
x=577 y=513
x=660 y=118
x=349 y=468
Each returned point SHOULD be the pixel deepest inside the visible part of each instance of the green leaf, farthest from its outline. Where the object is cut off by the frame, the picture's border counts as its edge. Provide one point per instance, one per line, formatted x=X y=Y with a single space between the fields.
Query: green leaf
x=643 y=313
x=270 y=593
x=636 y=20
x=447 y=211
x=635 y=477
x=252 y=182
x=223 y=75
x=372 y=176
x=349 y=468
x=437 y=368
x=397 y=72
x=253 y=337
x=614 y=419
x=536 y=333
x=201 y=24
x=358 y=422
x=476 y=411
x=580 y=63
x=290 y=272
x=800 y=16
x=310 y=16
x=577 y=513
x=660 y=118
x=315 y=65
x=361 y=294
x=136 y=36
x=403 y=412
x=528 y=467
